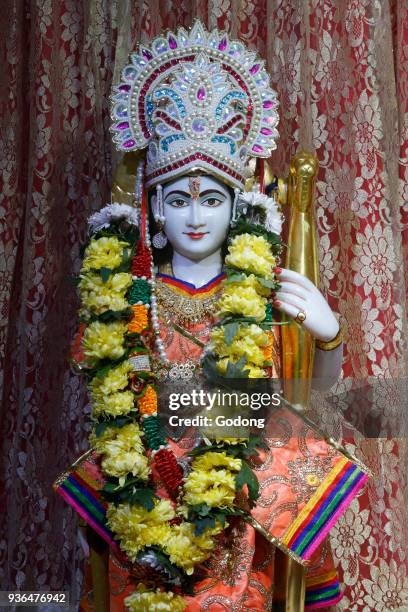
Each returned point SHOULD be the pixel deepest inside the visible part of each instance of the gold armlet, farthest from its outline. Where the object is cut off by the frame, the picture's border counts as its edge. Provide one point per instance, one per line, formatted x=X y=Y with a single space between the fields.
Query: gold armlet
x=331 y=344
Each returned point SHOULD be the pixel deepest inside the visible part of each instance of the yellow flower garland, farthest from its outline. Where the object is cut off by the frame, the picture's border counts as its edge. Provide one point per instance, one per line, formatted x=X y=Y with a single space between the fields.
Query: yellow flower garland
x=208 y=483
x=122 y=452
x=104 y=252
x=144 y=600
x=211 y=482
x=104 y=340
x=107 y=392
x=237 y=299
x=245 y=295
x=98 y=295
x=250 y=341
x=185 y=549
x=135 y=527
x=251 y=254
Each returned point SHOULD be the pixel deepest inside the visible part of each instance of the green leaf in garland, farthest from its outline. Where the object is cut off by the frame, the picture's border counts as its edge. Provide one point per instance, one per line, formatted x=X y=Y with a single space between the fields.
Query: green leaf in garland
x=110 y=488
x=214 y=516
x=122 y=230
x=242 y=450
x=127 y=254
x=133 y=491
x=230 y=331
x=118 y=422
x=104 y=368
x=201 y=509
x=141 y=495
x=269 y=283
x=144 y=497
x=236 y=370
x=204 y=517
x=105 y=273
x=235 y=319
x=268 y=313
x=202 y=524
x=114 y=315
x=108 y=316
x=234 y=276
x=246 y=477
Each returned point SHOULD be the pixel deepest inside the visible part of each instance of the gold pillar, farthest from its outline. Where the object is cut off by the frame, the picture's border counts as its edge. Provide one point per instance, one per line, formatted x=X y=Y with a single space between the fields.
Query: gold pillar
x=297 y=343
x=99 y=561
x=301 y=256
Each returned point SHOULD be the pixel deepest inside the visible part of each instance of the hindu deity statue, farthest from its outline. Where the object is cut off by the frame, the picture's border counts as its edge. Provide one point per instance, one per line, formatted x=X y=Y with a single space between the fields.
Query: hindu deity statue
x=186 y=277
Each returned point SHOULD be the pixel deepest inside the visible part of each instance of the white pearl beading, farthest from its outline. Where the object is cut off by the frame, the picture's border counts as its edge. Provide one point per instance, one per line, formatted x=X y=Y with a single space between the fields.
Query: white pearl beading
x=154 y=315
x=152 y=281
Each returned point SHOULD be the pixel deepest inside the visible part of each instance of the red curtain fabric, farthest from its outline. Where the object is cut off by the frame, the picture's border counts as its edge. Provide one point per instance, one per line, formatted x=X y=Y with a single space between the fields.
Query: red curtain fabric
x=340 y=69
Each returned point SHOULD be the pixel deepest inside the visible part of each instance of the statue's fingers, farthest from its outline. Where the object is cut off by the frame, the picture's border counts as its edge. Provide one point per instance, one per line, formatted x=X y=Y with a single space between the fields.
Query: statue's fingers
x=295 y=277
x=294 y=289
x=289 y=309
x=293 y=300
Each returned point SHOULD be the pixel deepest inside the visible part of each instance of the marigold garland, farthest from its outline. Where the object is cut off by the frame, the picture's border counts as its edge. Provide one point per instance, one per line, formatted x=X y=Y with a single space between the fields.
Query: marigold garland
x=139 y=321
x=125 y=403
x=147 y=404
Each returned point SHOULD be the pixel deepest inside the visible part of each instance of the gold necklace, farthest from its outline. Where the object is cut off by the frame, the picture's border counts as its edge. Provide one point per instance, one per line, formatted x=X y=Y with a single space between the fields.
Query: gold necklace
x=174 y=307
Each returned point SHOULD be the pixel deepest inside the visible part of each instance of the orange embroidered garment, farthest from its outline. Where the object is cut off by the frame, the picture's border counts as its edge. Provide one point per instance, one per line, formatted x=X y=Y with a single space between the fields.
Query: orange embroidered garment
x=305 y=484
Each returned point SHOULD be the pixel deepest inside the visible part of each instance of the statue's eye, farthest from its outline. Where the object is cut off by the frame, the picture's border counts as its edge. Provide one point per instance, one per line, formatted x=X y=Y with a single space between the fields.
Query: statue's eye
x=212 y=202
x=178 y=203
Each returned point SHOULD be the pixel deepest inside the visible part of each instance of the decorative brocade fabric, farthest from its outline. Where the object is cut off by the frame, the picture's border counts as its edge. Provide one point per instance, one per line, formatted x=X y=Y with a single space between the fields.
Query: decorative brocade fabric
x=340 y=69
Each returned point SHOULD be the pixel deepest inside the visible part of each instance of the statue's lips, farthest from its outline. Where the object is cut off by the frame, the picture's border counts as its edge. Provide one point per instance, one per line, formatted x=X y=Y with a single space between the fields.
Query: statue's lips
x=196 y=235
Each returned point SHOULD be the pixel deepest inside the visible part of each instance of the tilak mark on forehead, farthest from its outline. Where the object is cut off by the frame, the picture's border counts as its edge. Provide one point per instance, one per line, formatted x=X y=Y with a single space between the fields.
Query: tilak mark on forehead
x=194 y=183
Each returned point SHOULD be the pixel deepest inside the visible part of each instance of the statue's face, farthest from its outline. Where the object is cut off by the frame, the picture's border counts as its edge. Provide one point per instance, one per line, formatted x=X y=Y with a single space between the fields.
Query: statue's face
x=197 y=212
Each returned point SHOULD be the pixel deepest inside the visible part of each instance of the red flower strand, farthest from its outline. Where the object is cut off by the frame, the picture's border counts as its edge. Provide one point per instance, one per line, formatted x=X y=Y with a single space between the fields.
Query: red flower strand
x=169 y=469
x=142 y=261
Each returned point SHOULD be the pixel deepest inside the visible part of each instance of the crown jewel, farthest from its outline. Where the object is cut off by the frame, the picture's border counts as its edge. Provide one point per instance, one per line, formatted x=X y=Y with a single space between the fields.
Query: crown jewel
x=195 y=100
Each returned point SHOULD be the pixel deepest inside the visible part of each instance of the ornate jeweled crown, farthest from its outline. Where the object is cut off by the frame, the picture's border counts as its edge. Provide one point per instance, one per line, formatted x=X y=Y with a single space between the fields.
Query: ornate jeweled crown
x=196 y=100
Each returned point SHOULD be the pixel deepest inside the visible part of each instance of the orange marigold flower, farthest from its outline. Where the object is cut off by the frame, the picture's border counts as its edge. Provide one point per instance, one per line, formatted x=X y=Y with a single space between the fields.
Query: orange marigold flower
x=267 y=351
x=139 y=321
x=147 y=404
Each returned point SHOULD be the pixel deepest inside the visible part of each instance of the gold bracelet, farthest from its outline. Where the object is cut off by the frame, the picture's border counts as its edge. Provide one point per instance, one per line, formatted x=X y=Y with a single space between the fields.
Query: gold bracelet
x=331 y=344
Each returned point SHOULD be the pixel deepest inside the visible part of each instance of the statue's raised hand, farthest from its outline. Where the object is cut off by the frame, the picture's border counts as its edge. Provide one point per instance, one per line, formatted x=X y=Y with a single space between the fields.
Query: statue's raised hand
x=298 y=295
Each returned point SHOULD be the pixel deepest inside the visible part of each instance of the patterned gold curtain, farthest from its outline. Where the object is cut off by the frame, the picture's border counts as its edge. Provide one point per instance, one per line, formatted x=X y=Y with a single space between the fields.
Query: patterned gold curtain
x=341 y=70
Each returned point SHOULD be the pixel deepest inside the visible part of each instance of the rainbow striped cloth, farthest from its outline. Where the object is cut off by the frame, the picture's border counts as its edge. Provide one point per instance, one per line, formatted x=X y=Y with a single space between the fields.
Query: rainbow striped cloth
x=322 y=591
x=81 y=484
x=80 y=487
x=324 y=508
